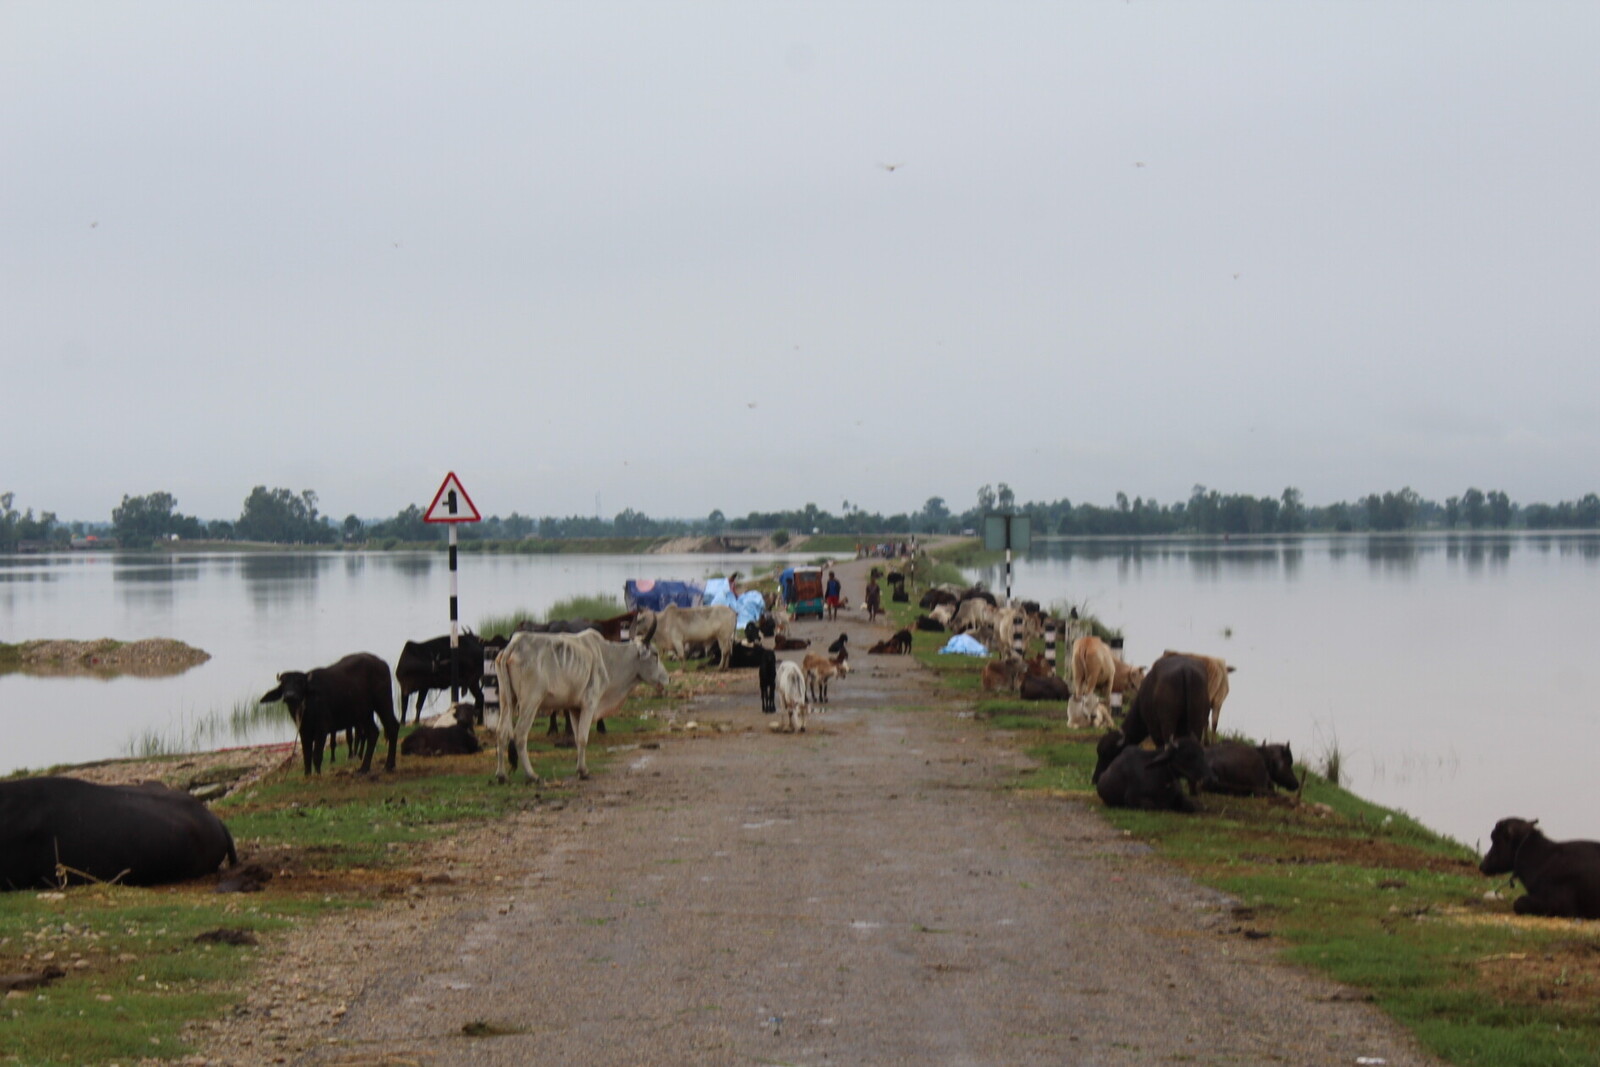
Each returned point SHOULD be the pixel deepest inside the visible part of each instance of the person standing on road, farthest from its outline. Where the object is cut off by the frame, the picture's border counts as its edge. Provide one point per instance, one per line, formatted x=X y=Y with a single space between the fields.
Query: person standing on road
x=830 y=595
x=874 y=596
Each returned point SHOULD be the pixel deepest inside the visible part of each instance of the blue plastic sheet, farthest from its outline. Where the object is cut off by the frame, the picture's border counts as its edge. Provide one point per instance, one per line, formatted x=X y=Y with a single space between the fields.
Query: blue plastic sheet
x=965 y=645
x=655 y=595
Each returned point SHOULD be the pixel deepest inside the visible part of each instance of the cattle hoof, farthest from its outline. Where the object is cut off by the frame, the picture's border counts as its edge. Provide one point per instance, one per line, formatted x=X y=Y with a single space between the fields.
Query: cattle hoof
x=500 y=778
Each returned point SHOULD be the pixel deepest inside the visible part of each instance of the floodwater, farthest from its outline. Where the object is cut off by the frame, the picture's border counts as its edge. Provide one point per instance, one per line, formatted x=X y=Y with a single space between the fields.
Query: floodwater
x=1456 y=676
x=256 y=614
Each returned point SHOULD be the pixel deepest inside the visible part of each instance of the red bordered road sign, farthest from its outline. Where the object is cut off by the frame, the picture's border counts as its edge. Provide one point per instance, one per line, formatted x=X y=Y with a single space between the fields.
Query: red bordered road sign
x=451 y=503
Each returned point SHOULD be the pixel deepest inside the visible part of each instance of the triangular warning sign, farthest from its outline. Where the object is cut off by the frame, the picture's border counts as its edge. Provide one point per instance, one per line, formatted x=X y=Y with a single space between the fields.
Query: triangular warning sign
x=451 y=503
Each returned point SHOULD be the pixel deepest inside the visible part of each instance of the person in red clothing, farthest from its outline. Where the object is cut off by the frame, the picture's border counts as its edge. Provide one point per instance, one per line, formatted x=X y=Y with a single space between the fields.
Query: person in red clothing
x=830 y=595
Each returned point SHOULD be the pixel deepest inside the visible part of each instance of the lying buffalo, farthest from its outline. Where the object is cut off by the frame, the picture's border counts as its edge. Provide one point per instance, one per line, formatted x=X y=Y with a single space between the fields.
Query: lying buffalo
x=1140 y=778
x=1562 y=877
x=1251 y=770
x=55 y=830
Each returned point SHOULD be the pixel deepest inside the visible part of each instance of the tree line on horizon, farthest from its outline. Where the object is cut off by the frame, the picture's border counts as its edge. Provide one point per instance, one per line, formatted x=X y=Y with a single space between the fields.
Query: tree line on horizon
x=282 y=516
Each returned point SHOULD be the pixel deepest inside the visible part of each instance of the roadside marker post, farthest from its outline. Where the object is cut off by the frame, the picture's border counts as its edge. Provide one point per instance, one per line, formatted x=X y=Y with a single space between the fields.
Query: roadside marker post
x=452 y=505
x=1007 y=532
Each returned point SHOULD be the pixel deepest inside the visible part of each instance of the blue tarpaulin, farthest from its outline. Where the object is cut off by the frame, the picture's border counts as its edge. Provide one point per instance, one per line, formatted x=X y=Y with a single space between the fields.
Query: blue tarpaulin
x=655 y=595
x=748 y=606
x=965 y=645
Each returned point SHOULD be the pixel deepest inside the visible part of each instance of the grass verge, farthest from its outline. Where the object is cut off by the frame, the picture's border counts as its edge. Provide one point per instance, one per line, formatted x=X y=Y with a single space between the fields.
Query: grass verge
x=1364 y=894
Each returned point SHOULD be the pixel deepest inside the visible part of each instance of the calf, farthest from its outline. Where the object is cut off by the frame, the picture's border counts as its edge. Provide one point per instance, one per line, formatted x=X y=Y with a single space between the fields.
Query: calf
x=1139 y=778
x=790 y=683
x=1562 y=877
x=1250 y=770
x=456 y=739
x=929 y=625
x=1003 y=673
x=55 y=830
x=789 y=644
x=353 y=693
x=819 y=670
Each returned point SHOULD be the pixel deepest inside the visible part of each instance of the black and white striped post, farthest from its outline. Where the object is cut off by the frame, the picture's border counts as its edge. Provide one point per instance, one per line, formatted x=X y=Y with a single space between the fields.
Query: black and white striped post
x=453 y=506
x=1052 y=627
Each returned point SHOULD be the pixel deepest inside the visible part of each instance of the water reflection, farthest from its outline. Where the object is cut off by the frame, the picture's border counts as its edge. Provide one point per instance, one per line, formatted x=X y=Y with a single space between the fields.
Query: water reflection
x=153 y=569
x=280 y=578
x=416 y=565
x=1397 y=555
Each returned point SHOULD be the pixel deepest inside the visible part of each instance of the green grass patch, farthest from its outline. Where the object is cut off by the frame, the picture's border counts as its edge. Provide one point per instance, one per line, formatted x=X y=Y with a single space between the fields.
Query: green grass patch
x=1362 y=893
x=135 y=975
x=134 y=972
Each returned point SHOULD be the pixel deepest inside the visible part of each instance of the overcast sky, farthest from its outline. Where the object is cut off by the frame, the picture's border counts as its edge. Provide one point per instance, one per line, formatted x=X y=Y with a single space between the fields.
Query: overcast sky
x=685 y=256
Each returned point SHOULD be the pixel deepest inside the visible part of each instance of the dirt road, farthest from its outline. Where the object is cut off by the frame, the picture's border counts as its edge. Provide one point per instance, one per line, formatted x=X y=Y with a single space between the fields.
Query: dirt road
x=866 y=893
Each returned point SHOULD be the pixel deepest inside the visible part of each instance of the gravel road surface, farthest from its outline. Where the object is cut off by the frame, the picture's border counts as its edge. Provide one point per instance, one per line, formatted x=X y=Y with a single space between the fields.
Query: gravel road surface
x=869 y=892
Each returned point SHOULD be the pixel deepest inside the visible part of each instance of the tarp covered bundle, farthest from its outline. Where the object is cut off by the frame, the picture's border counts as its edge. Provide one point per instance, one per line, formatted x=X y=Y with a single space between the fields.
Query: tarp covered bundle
x=964 y=644
x=655 y=595
x=749 y=606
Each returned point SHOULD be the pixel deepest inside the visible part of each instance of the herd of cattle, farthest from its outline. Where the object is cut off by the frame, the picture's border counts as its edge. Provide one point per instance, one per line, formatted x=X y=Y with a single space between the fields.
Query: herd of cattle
x=58 y=830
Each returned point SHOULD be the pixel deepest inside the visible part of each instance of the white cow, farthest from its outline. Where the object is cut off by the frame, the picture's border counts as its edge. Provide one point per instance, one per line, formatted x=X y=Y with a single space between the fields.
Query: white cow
x=553 y=672
x=674 y=629
x=791 y=686
x=973 y=613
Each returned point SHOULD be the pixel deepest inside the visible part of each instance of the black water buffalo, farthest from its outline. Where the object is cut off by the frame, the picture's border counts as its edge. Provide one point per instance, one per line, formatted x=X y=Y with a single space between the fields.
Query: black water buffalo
x=1250 y=770
x=1108 y=748
x=135 y=834
x=456 y=739
x=1173 y=701
x=425 y=665
x=1562 y=877
x=1045 y=687
x=353 y=693
x=934 y=597
x=1140 y=778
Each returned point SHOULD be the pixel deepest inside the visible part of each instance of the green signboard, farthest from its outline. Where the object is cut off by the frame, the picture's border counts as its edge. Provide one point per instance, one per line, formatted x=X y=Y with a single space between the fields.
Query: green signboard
x=1001 y=532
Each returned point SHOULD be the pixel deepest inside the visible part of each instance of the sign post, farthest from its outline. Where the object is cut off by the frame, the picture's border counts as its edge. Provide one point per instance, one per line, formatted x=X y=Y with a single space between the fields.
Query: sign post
x=1007 y=532
x=453 y=506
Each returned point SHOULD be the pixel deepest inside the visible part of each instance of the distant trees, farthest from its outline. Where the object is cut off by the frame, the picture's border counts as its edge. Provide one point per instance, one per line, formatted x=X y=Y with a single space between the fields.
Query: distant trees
x=283 y=517
x=17 y=527
x=141 y=520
